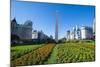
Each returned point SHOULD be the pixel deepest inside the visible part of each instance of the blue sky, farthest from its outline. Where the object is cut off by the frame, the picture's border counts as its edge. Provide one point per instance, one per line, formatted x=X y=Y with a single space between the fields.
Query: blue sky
x=43 y=15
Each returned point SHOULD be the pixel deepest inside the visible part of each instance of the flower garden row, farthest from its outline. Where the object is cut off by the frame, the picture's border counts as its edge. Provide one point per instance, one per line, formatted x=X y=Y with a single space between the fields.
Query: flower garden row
x=35 y=57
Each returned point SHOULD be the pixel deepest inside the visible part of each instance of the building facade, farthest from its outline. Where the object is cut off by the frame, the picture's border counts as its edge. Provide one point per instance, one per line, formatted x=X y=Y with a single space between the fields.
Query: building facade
x=84 y=32
x=74 y=34
x=68 y=35
x=39 y=35
x=35 y=34
x=77 y=33
x=22 y=31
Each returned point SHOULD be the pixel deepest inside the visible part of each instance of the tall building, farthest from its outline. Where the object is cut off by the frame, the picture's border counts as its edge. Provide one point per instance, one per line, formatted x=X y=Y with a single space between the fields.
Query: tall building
x=56 y=29
x=21 y=31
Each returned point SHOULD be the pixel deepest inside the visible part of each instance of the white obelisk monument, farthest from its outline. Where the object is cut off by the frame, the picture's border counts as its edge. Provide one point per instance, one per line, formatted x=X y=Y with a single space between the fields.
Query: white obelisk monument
x=56 y=28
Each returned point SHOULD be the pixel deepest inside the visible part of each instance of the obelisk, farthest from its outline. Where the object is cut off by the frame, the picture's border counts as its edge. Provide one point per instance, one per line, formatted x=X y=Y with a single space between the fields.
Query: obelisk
x=56 y=28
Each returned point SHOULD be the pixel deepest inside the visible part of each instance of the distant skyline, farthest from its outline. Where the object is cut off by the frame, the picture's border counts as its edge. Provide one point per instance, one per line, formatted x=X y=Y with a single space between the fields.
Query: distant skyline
x=43 y=16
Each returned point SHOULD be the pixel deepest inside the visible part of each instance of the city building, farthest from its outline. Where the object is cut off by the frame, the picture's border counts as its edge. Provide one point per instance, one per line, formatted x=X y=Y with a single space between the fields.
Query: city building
x=68 y=35
x=74 y=34
x=39 y=35
x=21 y=31
x=51 y=37
x=35 y=34
x=77 y=33
x=84 y=32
